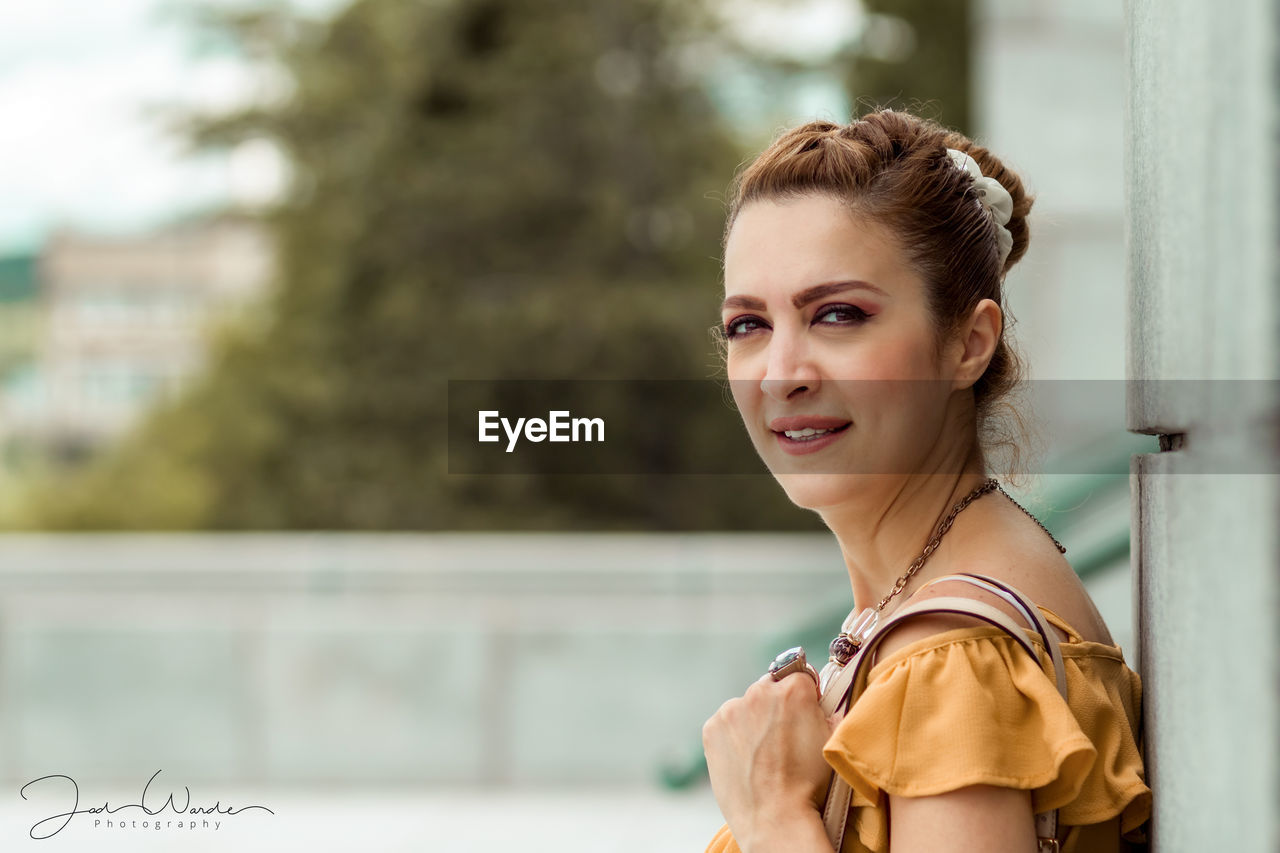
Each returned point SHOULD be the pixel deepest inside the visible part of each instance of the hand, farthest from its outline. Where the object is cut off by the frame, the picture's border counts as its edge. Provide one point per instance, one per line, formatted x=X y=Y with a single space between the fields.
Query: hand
x=764 y=754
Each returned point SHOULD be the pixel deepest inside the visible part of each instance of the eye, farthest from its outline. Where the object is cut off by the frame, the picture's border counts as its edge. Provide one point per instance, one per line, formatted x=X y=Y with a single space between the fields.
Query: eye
x=840 y=315
x=744 y=325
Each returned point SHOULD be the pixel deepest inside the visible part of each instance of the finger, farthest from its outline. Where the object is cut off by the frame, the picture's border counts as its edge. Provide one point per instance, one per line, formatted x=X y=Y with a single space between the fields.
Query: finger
x=800 y=686
x=710 y=730
x=763 y=684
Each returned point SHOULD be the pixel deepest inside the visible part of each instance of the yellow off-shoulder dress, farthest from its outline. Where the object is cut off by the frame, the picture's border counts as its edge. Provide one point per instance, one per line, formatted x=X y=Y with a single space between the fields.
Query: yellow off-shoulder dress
x=968 y=707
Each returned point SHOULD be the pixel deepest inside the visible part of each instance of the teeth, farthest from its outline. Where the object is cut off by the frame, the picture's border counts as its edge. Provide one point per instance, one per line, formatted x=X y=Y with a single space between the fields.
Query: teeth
x=807 y=432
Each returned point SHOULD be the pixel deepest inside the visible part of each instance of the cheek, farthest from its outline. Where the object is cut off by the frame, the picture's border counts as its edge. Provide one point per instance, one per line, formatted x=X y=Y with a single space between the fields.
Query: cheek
x=896 y=394
x=747 y=403
x=743 y=382
x=747 y=360
x=895 y=357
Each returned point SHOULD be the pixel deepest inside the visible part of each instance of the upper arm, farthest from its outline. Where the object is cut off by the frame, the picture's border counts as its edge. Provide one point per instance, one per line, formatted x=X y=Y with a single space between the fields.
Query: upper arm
x=974 y=819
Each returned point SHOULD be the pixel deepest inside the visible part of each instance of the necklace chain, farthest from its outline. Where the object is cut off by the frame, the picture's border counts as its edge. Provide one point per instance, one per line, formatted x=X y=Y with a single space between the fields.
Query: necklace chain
x=932 y=545
x=1062 y=549
x=858 y=627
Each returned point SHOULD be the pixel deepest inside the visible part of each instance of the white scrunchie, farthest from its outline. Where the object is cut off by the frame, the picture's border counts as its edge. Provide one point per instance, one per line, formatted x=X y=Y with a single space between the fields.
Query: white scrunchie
x=995 y=198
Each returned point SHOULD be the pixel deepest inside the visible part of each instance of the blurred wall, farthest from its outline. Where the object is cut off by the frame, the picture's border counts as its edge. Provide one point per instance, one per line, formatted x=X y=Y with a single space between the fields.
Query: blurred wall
x=347 y=659
x=1204 y=305
x=366 y=660
x=1049 y=100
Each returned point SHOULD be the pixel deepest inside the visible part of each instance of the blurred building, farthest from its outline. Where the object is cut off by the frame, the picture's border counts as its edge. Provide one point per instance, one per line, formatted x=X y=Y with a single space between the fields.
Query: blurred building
x=125 y=322
x=1049 y=99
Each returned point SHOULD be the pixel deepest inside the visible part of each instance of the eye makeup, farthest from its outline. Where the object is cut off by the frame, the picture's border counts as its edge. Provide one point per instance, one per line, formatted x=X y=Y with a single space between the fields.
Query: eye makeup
x=840 y=315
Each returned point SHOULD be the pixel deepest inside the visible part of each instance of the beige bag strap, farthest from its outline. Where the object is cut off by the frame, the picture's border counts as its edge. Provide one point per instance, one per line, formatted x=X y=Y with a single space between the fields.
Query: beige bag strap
x=1029 y=612
x=844 y=689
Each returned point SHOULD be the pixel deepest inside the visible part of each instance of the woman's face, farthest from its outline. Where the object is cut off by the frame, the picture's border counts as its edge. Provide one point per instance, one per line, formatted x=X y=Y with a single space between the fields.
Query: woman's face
x=831 y=349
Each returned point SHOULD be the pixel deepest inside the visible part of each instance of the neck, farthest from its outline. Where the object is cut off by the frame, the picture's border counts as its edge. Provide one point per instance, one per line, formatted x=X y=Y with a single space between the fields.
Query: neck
x=883 y=529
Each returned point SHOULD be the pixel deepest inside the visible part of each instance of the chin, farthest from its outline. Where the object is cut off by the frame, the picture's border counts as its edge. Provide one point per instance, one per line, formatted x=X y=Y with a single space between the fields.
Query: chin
x=825 y=491
x=821 y=491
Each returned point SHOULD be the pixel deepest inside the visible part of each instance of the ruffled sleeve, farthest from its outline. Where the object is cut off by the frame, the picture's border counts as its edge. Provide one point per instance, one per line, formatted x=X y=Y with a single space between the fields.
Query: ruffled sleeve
x=969 y=707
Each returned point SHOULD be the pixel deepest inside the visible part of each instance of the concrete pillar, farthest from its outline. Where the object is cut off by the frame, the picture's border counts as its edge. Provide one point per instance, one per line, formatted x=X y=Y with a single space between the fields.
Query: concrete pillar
x=1204 y=310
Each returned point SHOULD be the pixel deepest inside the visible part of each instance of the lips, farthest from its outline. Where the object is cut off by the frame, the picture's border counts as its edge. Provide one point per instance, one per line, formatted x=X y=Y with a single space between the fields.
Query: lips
x=799 y=423
x=802 y=434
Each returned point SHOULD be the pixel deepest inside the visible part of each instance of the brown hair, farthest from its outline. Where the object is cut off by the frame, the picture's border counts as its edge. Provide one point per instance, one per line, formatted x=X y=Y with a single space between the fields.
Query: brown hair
x=892 y=168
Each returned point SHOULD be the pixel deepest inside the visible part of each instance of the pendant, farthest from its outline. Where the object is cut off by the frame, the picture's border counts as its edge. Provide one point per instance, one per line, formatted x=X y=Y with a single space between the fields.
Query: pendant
x=853 y=633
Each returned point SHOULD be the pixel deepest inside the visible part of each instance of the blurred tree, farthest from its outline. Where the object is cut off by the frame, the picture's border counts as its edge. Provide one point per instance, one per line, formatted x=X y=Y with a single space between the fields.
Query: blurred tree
x=18 y=312
x=916 y=55
x=482 y=189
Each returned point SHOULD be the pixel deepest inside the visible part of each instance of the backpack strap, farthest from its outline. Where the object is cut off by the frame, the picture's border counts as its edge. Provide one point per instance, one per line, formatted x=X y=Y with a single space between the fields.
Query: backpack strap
x=851 y=681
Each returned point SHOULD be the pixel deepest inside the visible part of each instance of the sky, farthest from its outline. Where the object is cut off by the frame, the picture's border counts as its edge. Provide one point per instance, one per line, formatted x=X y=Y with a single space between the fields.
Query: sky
x=85 y=86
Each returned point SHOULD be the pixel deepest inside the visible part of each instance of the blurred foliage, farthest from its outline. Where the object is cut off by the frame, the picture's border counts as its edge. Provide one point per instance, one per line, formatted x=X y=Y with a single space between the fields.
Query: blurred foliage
x=20 y=329
x=483 y=189
x=20 y=325
x=18 y=278
x=916 y=55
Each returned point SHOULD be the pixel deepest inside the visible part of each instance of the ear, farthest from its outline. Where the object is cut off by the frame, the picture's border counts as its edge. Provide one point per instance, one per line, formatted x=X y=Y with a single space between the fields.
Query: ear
x=978 y=336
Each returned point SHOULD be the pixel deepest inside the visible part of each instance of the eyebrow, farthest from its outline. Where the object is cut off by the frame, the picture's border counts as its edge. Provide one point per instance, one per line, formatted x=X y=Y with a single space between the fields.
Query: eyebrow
x=804 y=297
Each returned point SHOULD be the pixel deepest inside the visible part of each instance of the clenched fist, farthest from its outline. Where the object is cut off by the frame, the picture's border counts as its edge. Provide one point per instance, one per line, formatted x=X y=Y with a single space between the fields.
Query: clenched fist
x=764 y=754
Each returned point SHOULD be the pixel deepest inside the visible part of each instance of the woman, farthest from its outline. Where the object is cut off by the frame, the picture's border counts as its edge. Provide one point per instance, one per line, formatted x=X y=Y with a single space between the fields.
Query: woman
x=863 y=269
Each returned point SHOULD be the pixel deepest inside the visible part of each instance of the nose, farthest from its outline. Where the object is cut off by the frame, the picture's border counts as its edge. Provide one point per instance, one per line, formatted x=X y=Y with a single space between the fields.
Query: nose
x=791 y=370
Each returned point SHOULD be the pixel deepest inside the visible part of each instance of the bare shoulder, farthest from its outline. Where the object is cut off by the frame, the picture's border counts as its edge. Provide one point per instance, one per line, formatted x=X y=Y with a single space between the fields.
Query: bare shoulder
x=1050 y=583
x=926 y=625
